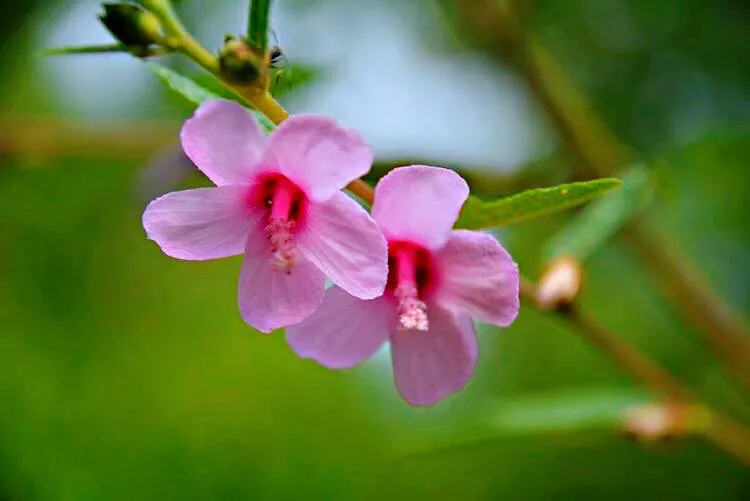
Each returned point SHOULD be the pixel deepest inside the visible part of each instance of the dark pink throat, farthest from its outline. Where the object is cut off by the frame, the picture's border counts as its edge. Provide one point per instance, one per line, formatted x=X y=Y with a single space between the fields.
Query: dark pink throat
x=411 y=278
x=283 y=205
x=280 y=197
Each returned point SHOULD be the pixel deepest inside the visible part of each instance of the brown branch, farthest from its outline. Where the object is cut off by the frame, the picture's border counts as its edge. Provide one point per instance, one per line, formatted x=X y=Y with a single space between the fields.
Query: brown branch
x=627 y=357
x=683 y=284
x=599 y=153
x=649 y=373
x=680 y=281
x=41 y=139
x=723 y=431
x=45 y=138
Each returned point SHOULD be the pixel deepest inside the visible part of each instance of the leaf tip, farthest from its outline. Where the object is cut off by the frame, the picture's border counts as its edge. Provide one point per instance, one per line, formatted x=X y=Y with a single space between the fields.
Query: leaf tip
x=612 y=183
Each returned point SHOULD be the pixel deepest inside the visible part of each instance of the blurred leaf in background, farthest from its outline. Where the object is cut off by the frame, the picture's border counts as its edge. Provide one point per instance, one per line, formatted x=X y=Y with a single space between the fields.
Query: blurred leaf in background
x=597 y=223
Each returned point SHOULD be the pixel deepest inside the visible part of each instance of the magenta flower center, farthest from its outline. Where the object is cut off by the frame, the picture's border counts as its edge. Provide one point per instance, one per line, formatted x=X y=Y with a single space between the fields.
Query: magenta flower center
x=411 y=277
x=284 y=205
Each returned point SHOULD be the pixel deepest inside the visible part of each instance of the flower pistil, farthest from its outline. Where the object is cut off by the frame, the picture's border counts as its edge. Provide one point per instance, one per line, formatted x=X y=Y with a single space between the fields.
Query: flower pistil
x=285 y=201
x=411 y=309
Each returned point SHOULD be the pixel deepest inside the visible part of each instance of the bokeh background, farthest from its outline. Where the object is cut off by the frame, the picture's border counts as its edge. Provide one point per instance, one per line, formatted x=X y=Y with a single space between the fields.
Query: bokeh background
x=128 y=375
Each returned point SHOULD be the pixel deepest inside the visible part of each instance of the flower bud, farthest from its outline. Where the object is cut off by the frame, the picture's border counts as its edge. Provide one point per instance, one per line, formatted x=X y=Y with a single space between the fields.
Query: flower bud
x=660 y=422
x=238 y=62
x=131 y=24
x=559 y=286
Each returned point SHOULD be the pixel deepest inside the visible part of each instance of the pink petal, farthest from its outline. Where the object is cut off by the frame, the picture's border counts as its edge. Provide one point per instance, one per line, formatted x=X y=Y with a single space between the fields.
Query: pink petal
x=205 y=223
x=225 y=141
x=344 y=331
x=344 y=242
x=479 y=276
x=429 y=366
x=317 y=154
x=419 y=204
x=270 y=298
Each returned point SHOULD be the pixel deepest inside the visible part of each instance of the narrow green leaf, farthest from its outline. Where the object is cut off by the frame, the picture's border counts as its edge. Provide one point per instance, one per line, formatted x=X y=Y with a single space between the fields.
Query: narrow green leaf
x=550 y=413
x=257 y=24
x=91 y=49
x=566 y=411
x=195 y=93
x=214 y=86
x=597 y=223
x=181 y=84
x=477 y=214
x=141 y=52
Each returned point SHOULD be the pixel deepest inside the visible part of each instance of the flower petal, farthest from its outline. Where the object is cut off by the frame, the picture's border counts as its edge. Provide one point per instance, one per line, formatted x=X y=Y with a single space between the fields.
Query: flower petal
x=419 y=204
x=429 y=366
x=479 y=276
x=346 y=244
x=270 y=298
x=225 y=141
x=344 y=331
x=205 y=223
x=317 y=154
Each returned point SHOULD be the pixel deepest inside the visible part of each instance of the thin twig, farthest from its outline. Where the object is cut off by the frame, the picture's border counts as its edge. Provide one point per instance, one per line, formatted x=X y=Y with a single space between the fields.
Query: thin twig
x=601 y=154
x=180 y=37
x=723 y=431
x=625 y=355
x=45 y=138
x=257 y=96
x=683 y=284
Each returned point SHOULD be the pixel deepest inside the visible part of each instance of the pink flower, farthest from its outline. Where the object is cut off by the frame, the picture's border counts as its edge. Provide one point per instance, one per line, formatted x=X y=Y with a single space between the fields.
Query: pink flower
x=277 y=200
x=438 y=279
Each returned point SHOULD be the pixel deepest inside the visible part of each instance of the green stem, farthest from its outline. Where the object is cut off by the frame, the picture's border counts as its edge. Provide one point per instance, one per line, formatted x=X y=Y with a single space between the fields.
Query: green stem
x=258 y=97
x=178 y=36
x=257 y=24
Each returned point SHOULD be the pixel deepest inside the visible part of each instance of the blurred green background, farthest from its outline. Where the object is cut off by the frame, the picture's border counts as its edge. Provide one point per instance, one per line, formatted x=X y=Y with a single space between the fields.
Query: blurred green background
x=128 y=375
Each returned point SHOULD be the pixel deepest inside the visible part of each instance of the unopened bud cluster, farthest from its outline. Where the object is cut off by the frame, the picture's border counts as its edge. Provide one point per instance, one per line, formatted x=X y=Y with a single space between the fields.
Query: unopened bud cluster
x=132 y=25
x=658 y=422
x=239 y=62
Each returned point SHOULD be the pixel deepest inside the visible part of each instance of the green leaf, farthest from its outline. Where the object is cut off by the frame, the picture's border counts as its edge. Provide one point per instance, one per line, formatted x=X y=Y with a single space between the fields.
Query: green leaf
x=597 y=223
x=567 y=411
x=257 y=24
x=214 y=86
x=477 y=214
x=181 y=84
x=292 y=76
x=197 y=94
x=542 y=414
x=90 y=49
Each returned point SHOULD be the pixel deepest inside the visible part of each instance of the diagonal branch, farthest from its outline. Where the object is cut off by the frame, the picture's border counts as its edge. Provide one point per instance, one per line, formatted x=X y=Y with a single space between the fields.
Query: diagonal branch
x=600 y=154
x=723 y=431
